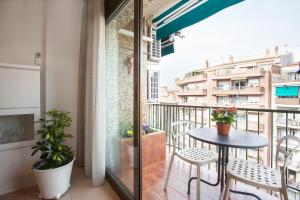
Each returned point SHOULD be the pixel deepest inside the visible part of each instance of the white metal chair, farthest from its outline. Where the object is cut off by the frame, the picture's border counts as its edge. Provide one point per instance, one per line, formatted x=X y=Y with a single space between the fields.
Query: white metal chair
x=260 y=176
x=193 y=155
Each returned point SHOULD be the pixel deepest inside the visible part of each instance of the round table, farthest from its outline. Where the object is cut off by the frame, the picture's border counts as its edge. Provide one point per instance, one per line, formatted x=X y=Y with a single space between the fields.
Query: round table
x=235 y=139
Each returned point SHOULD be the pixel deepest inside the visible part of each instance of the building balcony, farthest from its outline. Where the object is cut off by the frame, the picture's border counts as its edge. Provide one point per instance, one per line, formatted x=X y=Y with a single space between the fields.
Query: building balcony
x=292 y=123
x=220 y=91
x=238 y=73
x=286 y=80
x=196 y=92
x=287 y=101
x=192 y=79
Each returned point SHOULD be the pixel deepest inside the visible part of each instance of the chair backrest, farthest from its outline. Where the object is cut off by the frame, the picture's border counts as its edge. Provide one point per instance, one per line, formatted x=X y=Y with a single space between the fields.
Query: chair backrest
x=181 y=128
x=287 y=146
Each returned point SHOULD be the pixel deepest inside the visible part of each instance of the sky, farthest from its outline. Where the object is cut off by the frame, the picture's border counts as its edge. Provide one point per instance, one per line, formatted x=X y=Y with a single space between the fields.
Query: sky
x=244 y=30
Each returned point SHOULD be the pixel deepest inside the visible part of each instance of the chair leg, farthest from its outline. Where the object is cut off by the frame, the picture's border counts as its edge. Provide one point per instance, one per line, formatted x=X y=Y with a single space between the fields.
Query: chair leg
x=198 y=182
x=191 y=167
x=227 y=188
x=284 y=194
x=169 y=171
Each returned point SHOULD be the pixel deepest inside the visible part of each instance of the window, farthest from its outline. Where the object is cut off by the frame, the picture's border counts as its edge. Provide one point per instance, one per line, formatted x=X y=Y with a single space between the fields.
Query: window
x=252 y=100
x=223 y=85
x=191 y=100
x=223 y=101
x=199 y=85
x=239 y=84
x=153 y=85
x=239 y=101
x=252 y=118
x=253 y=82
x=191 y=86
x=293 y=76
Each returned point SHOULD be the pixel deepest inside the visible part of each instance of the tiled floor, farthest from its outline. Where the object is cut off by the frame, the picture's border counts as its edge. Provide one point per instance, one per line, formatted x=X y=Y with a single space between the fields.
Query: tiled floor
x=81 y=189
x=153 y=180
x=154 y=176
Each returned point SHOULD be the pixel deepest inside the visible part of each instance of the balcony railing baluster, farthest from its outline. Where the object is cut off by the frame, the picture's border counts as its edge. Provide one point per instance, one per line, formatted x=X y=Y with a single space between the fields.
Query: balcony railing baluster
x=189 y=125
x=246 y=130
x=258 y=130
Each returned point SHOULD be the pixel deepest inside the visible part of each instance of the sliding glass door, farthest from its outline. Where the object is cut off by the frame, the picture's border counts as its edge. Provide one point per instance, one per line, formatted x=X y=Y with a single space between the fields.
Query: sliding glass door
x=122 y=76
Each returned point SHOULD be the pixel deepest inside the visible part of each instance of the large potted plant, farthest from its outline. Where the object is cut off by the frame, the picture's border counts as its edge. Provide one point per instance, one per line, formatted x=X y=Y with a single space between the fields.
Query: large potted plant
x=54 y=167
x=224 y=117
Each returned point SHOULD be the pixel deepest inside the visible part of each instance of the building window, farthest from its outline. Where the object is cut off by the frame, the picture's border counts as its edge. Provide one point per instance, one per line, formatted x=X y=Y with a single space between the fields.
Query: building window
x=293 y=76
x=239 y=84
x=239 y=101
x=153 y=85
x=253 y=100
x=253 y=82
x=223 y=101
x=223 y=85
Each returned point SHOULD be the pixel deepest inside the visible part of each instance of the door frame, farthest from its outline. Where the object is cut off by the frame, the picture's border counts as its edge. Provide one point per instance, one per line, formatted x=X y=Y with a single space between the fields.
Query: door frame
x=112 y=8
x=138 y=57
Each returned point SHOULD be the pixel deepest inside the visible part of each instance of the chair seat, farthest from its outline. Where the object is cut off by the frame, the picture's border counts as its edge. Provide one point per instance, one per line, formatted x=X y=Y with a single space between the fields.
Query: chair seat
x=197 y=155
x=254 y=174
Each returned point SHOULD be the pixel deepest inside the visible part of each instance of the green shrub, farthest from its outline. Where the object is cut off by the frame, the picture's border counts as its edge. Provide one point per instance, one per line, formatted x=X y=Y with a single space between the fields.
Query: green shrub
x=53 y=152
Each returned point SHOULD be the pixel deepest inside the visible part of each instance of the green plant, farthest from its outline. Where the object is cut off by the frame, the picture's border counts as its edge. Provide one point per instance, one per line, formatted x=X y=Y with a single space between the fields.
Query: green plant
x=129 y=132
x=54 y=153
x=224 y=115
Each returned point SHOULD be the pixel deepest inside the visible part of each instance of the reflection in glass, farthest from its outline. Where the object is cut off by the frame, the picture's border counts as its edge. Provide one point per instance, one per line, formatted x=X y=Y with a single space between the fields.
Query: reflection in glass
x=119 y=95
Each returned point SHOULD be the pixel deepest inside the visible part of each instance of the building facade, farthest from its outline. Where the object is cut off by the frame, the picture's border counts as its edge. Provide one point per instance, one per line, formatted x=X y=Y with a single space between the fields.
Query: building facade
x=241 y=83
x=286 y=95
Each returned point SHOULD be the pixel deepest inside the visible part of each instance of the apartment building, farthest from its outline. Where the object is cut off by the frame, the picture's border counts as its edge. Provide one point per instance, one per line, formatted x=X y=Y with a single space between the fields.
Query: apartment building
x=245 y=83
x=286 y=95
x=167 y=95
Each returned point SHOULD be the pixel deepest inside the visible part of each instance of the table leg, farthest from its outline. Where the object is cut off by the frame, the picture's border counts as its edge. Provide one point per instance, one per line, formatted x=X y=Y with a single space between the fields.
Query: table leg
x=222 y=163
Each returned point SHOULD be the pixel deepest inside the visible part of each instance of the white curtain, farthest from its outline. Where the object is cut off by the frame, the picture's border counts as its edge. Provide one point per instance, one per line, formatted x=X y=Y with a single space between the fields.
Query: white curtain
x=92 y=124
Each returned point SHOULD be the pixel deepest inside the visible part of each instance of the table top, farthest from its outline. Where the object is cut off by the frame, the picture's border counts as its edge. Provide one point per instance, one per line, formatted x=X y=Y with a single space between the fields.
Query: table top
x=236 y=138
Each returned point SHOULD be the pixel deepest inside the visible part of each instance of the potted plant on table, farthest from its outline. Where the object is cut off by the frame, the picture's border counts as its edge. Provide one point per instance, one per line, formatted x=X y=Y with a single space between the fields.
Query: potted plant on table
x=224 y=117
x=54 y=167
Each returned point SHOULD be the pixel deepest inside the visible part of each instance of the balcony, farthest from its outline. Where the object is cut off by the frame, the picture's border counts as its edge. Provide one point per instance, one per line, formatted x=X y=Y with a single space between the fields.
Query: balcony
x=192 y=79
x=162 y=115
x=287 y=101
x=287 y=80
x=238 y=73
x=292 y=123
x=221 y=91
x=196 y=92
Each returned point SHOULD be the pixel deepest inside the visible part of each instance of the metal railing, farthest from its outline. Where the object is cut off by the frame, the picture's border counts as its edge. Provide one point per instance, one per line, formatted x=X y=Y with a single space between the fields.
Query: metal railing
x=161 y=116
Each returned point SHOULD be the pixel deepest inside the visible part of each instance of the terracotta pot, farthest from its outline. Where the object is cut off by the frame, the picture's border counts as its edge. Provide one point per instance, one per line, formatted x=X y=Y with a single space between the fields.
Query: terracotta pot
x=223 y=128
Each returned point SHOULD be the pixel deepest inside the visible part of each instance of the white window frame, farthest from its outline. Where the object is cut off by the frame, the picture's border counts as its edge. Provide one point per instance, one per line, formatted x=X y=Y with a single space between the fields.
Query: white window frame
x=153 y=85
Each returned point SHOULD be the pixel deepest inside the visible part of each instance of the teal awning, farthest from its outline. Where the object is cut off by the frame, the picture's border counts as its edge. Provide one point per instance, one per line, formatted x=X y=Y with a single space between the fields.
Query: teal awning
x=287 y=91
x=186 y=13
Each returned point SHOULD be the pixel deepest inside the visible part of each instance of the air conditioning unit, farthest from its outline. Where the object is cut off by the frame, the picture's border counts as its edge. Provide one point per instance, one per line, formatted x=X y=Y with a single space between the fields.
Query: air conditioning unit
x=154 y=48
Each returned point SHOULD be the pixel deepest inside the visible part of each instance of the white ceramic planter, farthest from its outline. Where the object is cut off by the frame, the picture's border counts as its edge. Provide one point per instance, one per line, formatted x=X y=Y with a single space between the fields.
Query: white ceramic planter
x=53 y=183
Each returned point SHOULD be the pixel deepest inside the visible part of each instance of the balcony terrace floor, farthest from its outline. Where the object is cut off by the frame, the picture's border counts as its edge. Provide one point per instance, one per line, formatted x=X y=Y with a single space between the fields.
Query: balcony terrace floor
x=154 y=177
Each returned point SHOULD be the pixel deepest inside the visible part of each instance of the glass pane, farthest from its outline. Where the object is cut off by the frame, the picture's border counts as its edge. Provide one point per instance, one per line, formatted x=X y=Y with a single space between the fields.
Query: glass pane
x=119 y=95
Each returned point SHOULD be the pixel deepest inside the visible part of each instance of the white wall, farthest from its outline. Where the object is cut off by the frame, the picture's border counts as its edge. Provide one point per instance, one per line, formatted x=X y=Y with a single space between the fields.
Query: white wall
x=63 y=45
x=23 y=32
x=20 y=30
